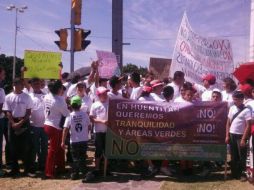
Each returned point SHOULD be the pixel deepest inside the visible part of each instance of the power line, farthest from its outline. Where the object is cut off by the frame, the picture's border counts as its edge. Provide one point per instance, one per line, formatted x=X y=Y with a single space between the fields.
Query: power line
x=41 y=46
x=137 y=38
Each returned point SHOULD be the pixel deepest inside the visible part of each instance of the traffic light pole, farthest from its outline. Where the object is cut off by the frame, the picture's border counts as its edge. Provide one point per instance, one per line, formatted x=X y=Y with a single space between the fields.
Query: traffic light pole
x=72 y=42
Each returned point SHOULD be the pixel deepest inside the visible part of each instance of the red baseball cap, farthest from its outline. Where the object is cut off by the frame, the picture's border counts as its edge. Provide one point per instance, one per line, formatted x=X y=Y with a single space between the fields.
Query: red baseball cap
x=147 y=89
x=155 y=83
x=246 y=88
x=210 y=78
x=101 y=90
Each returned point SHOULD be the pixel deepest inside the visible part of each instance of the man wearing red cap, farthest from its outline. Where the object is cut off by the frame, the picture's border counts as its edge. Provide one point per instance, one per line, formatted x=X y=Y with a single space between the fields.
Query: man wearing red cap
x=208 y=81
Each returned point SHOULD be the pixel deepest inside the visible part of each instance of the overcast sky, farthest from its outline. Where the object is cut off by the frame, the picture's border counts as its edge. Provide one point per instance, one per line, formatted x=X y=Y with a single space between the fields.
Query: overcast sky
x=150 y=26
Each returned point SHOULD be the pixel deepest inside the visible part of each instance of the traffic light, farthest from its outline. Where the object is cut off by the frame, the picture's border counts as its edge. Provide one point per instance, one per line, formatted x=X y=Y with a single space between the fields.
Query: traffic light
x=76 y=6
x=79 y=39
x=62 y=43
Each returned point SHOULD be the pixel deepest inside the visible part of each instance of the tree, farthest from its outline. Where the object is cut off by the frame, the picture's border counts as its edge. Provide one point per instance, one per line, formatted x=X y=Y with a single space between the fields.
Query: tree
x=129 y=68
x=7 y=63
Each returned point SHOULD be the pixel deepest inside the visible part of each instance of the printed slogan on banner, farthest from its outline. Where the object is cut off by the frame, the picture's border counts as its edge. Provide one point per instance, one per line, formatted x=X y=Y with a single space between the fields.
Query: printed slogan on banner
x=150 y=130
x=196 y=55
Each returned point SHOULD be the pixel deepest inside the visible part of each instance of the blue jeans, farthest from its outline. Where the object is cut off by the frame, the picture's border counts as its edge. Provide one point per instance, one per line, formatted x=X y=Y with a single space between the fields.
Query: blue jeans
x=40 y=146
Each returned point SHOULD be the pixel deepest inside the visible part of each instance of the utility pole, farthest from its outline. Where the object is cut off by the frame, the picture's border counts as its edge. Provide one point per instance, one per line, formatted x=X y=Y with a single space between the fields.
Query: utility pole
x=117 y=30
x=72 y=41
x=252 y=31
x=17 y=10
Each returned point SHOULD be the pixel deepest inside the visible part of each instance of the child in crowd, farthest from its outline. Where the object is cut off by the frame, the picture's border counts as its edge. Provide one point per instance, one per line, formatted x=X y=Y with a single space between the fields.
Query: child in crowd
x=237 y=130
x=99 y=115
x=77 y=124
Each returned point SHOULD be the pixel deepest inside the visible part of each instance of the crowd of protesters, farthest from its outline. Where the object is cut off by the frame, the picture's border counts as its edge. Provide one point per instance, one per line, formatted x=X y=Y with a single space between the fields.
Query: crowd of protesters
x=38 y=120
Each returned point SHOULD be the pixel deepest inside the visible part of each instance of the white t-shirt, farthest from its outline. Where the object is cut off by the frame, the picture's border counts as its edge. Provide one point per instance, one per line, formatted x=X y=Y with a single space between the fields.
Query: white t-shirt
x=92 y=93
x=227 y=97
x=67 y=86
x=17 y=104
x=207 y=94
x=72 y=90
x=25 y=90
x=77 y=122
x=146 y=98
x=157 y=98
x=99 y=110
x=37 y=117
x=239 y=123
x=111 y=95
x=55 y=107
x=250 y=103
x=45 y=90
x=86 y=104
x=176 y=89
x=2 y=99
x=179 y=99
x=136 y=92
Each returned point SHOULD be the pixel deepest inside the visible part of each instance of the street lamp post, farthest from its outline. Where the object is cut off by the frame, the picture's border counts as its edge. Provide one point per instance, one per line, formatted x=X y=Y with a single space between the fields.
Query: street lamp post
x=20 y=10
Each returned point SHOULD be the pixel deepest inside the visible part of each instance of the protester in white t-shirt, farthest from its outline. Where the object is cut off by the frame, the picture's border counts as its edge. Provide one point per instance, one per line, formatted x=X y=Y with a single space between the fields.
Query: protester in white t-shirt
x=77 y=124
x=18 y=108
x=208 y=81
x=99 y=115
x=2 y=124
x=93 y=88
x=55 y=110
x=178 y=80
x=135 y=84
x=116 y=85
x=66 y=82
x=37 y=118
x=184 y=87
x=71 y=91
x=229 y=87
x=86 y=101
x=237 y=131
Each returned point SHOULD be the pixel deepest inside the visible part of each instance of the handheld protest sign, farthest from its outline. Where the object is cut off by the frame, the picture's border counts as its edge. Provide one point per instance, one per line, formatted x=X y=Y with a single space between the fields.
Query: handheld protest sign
x=160 y=67
x=42 y=64
x=108 y=65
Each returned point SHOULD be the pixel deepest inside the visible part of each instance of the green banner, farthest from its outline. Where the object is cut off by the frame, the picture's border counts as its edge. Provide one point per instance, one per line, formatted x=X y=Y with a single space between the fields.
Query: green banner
x=42 y=64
